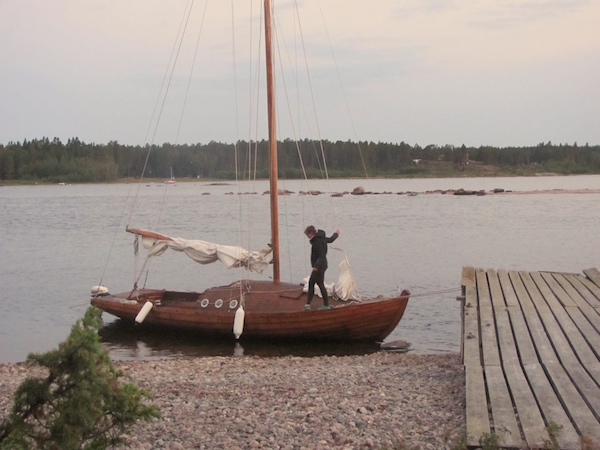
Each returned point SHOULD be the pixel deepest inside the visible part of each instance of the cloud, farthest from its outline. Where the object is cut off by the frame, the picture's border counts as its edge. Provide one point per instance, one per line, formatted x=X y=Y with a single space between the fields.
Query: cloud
x=436 y=71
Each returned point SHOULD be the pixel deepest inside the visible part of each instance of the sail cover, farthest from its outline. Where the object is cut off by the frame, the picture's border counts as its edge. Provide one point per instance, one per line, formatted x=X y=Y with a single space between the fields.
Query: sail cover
x=344 y=289
x=206 y=252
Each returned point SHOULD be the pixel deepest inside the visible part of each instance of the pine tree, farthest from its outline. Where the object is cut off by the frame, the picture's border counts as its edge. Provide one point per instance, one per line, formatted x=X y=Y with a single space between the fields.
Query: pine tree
x=81 y=403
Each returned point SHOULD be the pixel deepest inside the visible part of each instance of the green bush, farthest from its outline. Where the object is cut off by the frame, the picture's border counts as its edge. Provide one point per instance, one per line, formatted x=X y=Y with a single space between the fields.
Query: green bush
x=81 y=403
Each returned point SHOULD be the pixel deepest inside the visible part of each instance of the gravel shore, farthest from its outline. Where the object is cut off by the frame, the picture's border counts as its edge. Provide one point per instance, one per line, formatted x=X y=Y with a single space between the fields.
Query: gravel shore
x=380 y=401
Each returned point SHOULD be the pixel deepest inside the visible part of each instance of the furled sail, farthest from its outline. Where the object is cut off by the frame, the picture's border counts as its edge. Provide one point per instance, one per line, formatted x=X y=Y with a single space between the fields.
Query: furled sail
x=344 y=289
x=204 y=252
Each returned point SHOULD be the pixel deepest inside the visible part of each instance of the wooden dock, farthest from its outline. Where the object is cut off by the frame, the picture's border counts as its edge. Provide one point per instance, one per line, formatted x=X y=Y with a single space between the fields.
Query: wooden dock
x=531 y=353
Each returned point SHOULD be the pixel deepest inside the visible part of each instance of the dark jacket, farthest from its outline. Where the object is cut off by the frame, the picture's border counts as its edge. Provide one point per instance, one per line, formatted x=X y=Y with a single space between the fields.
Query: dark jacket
x=318 y=253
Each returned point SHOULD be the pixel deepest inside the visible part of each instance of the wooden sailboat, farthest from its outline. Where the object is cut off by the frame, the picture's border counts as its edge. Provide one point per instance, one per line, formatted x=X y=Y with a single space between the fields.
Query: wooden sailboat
x=251 y=308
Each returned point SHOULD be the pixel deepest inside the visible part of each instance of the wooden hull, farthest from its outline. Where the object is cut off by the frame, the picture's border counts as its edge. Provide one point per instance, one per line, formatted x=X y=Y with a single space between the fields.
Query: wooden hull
x=271 y=311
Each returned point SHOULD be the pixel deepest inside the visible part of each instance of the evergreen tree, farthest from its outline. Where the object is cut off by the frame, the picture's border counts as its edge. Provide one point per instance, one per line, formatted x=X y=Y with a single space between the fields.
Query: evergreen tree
x=80 y=404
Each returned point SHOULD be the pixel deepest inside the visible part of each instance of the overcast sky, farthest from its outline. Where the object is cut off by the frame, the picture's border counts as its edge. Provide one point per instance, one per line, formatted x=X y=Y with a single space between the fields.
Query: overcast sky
x=455 y=72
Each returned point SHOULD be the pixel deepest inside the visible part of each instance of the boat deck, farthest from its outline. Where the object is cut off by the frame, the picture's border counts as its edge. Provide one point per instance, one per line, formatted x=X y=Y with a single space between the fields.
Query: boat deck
x=531 y=353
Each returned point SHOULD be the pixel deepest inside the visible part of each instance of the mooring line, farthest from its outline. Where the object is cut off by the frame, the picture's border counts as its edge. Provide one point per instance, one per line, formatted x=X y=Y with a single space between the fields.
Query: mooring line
x=426 y=294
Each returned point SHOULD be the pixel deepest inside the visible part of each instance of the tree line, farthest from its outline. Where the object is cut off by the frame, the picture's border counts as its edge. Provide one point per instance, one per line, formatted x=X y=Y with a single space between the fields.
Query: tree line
x=46 y=160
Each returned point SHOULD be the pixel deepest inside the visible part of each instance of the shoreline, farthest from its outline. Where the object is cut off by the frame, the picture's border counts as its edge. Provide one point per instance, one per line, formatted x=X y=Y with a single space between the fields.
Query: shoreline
x=222 y=182
x=458 y=192
x=381 y=400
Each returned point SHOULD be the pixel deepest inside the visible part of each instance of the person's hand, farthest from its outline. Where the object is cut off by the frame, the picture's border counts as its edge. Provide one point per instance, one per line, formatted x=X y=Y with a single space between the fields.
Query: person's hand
x=314 y=269
x=338 y=231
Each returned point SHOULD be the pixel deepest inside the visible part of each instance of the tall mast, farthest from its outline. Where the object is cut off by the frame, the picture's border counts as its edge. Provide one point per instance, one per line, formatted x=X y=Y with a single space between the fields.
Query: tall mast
x=272 y=143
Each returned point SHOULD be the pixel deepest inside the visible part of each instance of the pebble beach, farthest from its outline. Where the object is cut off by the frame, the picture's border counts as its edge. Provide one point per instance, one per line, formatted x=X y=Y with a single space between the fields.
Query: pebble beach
x=380 y=401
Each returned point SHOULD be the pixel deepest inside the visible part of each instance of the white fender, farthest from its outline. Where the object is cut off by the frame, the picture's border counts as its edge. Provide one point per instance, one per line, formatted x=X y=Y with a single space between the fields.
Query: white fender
x=99 y=290
x=238 y=323
x=143 y=312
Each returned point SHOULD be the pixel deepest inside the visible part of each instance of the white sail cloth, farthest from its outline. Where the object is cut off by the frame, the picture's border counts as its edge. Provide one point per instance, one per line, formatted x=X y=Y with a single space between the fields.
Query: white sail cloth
x=206 y=252
x=344 y=289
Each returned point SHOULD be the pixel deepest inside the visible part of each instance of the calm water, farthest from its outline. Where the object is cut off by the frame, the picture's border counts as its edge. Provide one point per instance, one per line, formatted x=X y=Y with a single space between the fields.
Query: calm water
x=58 y=241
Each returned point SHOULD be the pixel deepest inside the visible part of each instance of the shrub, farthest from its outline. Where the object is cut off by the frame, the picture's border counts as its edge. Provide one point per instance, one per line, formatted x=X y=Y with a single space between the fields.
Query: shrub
x=81 y=403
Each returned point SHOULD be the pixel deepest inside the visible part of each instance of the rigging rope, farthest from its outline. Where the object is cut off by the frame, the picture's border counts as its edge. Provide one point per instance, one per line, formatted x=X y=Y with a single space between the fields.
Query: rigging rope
x=112 y=244
x=252 y=172
x=175 y=52
x=430 y=293
x=187 y=91
x=311 y=90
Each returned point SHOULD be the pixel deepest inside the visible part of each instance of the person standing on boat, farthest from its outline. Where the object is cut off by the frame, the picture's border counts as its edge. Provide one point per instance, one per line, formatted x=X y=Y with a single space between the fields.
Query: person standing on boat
x=318 y=261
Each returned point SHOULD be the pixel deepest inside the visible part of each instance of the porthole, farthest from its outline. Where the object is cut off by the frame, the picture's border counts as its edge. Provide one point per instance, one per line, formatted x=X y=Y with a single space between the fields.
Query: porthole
x=204 y=303
x=218 y=303
x=233 y=303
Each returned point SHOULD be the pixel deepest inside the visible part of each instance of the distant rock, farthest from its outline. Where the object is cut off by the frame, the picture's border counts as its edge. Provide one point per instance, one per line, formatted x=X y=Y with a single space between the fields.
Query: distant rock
x=395 y=346
x=359 y=190
x=279 y=192
x=462 y=191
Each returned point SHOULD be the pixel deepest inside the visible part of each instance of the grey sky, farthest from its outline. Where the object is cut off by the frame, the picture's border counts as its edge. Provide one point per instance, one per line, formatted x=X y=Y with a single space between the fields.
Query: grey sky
x=420 y=71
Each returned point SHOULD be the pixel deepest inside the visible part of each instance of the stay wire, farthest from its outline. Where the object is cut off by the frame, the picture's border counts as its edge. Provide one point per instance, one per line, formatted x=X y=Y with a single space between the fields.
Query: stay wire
x=114 y=239
x=320 y=141
x=189 y=13
x=278 y=38
x=348 y=109
x=174 y=58
x=185 y=99
x=164 y=87
x=123 y=212
x=432 y=293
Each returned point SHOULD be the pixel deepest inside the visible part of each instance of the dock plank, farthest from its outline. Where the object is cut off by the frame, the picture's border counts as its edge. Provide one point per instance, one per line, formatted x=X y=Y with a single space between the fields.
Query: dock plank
x=530 y=416
x=589 y=333
x=521 y=293
x=578 y=344
x=503 y=416
x=588 y=290
x=535 y=340
x=593 y=274
x=509 y=293
x=555 y=334
x=589 y=390
x=525 y=347
x=574 y=293
x=471 y=341
x=575 y=404
x=551 y=406
x=536 y=358
x=483 y=290
x=542 y=344
x=588 y=311
x=506 y=341
x=496 y=291
x=478 y=421
x=489 y=341
x=593 y=369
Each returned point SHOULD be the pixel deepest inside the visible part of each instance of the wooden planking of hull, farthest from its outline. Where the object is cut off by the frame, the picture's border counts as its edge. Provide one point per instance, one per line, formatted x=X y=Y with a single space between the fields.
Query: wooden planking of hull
x=271 y=311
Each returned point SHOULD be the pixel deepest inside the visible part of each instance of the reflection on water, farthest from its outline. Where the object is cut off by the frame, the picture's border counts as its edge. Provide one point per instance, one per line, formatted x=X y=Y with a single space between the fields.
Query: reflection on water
x=126 y=341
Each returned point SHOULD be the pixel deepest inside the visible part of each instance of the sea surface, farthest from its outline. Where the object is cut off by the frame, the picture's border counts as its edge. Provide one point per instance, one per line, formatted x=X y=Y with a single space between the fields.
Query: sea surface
x=59 y=241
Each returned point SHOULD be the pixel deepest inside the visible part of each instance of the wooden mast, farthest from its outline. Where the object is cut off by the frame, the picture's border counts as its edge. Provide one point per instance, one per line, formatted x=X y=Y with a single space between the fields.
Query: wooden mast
x=272 y=143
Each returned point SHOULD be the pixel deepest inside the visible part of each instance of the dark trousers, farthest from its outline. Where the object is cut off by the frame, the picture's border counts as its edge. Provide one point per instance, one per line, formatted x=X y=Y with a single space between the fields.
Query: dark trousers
x=317 y=277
